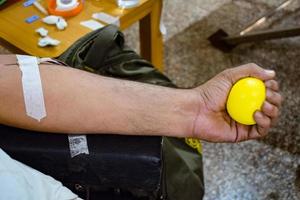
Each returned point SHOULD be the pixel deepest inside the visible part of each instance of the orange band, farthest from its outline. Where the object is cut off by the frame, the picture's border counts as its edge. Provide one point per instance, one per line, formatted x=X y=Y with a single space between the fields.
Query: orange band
x=69 y=13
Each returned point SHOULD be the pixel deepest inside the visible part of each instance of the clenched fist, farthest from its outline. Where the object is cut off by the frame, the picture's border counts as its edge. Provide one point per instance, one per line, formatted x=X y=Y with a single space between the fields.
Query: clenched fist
x=213 y=123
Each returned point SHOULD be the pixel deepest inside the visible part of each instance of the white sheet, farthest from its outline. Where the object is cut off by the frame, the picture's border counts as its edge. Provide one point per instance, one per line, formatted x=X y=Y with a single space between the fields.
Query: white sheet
x=21 y=182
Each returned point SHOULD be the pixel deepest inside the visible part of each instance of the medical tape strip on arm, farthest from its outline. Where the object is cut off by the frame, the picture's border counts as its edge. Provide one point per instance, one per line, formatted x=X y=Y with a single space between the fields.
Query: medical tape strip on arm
x=32 y=87
x=34 y=99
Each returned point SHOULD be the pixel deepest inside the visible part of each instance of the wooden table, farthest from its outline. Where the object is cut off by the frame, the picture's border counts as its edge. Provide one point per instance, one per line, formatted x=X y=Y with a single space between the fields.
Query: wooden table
x=17 y=32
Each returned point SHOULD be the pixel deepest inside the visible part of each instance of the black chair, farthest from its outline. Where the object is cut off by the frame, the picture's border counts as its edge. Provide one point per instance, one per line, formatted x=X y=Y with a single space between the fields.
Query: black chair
x=117 y=167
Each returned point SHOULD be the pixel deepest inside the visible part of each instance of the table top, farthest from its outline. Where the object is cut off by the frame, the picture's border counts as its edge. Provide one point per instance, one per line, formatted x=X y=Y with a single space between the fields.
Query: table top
x=17 y=32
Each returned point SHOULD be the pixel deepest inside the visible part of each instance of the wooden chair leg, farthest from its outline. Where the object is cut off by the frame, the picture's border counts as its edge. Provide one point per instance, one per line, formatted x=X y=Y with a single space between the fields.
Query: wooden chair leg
x=151 y=37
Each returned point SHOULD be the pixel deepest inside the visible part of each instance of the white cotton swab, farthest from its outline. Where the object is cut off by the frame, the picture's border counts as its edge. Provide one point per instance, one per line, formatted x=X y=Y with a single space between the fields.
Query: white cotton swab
x=40 y=7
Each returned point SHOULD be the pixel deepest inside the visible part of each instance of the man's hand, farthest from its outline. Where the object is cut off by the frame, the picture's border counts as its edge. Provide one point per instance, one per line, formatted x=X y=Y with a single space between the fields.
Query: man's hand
x=213 y=122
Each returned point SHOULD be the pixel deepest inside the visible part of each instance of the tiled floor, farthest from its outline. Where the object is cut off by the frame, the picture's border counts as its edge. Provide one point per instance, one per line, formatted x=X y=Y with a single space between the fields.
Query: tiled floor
x=256 y=170
x=253 y=170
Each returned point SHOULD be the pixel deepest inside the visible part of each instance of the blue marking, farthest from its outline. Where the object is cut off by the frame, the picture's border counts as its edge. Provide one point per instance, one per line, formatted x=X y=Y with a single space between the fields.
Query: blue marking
x=28 y=3
x=31 y=19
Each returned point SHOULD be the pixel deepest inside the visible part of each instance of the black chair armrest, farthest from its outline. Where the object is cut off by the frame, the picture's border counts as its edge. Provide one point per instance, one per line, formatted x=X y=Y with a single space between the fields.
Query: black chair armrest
x=131 y=163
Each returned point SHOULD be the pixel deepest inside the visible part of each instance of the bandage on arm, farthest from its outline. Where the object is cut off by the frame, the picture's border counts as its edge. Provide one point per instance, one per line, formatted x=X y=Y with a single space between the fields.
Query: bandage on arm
x=81 y=102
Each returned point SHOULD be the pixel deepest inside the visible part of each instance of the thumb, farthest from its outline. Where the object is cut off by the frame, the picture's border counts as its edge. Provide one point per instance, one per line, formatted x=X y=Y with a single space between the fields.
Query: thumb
x=247 y=70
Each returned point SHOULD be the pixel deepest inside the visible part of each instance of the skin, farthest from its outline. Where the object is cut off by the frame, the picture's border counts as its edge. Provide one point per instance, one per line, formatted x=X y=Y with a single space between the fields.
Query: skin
x=81 y=102
x=213 y=122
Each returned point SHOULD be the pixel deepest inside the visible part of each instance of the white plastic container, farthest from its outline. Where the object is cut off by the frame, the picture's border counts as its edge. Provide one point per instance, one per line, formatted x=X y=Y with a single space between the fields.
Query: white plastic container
x=127 y=3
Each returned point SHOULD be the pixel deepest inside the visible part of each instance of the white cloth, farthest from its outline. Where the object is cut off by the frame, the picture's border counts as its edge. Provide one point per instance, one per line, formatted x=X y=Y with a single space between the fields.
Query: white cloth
x=21 y=182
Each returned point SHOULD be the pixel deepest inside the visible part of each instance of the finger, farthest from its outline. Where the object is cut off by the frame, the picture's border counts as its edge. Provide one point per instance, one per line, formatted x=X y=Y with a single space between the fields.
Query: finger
x=272 y=84
x=270 y=110
x=274 y=97
x=243 y=132
x=254 y=134
x=246 y=70
x=263 y=123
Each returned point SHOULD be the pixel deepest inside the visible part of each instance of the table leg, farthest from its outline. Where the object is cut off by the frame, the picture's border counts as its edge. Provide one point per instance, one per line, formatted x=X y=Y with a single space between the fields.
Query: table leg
x=151 y=41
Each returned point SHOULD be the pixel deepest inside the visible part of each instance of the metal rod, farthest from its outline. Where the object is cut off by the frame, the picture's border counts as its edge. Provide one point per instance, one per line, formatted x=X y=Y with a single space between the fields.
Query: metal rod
x=262 y=19
x=262 y=35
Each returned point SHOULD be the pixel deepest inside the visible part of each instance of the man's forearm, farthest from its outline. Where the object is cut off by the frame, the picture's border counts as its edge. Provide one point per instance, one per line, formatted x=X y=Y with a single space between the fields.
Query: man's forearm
x=81 y=102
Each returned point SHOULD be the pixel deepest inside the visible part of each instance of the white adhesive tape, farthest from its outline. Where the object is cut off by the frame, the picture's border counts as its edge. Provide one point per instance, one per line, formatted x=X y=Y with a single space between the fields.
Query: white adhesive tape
x=32 y=87
x=109 y=19
x=78 y=145
x=92 y=24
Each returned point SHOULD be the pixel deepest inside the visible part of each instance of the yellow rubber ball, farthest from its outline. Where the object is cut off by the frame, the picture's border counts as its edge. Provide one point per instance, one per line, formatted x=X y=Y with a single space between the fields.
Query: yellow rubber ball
x=245 y=97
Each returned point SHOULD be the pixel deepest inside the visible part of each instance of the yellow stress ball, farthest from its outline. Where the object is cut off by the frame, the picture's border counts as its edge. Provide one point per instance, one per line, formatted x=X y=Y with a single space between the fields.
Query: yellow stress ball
x=246 y=96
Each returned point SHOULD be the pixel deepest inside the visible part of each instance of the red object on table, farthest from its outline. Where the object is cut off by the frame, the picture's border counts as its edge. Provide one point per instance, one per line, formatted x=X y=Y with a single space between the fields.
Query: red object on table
x=68 y=13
